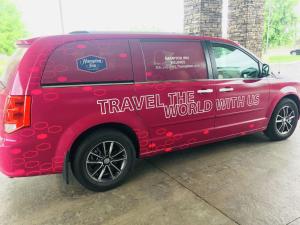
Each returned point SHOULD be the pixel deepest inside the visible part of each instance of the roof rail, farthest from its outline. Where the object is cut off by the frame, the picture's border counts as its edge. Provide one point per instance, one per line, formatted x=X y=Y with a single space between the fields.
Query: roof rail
x=79 y=32
x=123 y=32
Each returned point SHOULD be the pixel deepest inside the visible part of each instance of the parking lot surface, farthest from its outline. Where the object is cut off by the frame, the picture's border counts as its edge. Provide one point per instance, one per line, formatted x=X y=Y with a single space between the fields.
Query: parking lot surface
x=248 y=180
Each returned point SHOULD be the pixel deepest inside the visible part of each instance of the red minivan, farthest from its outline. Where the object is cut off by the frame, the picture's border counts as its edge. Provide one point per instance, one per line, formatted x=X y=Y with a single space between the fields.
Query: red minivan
x=95 y=102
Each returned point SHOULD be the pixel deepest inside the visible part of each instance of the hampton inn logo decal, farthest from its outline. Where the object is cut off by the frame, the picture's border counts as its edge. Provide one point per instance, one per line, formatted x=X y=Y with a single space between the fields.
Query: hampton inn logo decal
x=179 y=104
x=91 y=64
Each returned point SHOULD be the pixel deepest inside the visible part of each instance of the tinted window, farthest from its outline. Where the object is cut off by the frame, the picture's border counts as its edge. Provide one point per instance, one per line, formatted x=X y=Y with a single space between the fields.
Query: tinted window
x=233 y=63
x=174 y=61
x=88 y=62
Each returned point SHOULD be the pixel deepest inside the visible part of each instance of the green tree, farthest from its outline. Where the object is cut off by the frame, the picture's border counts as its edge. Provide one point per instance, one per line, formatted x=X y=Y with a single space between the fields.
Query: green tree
x=280 y=22
x=11 y=27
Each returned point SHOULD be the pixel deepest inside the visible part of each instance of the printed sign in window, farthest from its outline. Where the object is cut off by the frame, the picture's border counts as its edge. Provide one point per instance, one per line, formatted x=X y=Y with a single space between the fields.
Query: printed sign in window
x=174 y=61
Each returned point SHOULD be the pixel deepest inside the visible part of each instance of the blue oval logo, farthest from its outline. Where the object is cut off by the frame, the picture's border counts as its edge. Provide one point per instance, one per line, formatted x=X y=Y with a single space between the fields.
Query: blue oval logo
x=91 y=64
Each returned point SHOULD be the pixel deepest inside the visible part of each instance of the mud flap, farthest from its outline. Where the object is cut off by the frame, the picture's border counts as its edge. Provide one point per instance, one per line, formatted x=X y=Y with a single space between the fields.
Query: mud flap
x=67 y=169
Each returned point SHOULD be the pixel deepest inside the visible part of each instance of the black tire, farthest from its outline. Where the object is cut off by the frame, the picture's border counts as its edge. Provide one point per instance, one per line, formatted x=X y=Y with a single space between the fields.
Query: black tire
x=275 y=131
x=85 y=160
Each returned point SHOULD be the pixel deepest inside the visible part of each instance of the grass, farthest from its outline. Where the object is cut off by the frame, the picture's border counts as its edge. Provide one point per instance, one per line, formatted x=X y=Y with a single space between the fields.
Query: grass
x=283 y=58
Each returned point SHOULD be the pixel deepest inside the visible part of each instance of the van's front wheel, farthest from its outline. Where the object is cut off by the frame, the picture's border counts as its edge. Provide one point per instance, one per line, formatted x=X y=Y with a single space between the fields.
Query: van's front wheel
x=103 y=160
x=283 y=121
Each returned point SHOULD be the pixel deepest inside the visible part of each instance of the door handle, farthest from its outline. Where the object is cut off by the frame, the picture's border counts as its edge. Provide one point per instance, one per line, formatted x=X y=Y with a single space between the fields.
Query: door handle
x=226 y=89
x=205 y=91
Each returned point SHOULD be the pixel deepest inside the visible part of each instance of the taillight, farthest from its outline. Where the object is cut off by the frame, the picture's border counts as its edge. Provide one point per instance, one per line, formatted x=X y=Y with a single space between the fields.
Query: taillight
x=17 y=113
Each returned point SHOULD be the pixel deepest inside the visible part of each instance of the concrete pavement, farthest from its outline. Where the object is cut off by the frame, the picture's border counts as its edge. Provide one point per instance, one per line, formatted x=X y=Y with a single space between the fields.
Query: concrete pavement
x=248 y=180
x=287 y=70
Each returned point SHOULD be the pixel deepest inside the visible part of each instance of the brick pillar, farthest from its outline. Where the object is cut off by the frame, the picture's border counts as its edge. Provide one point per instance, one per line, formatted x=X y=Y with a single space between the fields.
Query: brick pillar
x=203 y=17
x=246 y=23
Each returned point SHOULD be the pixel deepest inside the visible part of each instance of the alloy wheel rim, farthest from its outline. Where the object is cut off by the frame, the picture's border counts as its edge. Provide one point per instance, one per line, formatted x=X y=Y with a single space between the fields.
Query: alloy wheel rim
x=106 y=161
x=285 y=120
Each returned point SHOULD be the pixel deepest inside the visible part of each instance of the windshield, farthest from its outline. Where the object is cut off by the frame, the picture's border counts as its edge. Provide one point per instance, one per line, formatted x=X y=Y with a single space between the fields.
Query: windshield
x=12 y=64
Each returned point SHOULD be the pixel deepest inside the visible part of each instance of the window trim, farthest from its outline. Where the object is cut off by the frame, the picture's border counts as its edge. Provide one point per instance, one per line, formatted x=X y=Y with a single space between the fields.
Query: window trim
x=209 y=64
x=200 y=42
x=88 y=83
x=214 y=64
x=84 y=84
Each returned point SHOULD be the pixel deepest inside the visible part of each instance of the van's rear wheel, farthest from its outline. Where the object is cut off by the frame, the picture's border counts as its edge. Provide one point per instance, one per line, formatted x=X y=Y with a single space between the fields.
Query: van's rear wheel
x=103 y=160
x=283 y=121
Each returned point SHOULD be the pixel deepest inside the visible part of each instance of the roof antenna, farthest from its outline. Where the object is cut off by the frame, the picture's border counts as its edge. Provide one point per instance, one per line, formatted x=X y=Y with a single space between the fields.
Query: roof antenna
x=79 y=32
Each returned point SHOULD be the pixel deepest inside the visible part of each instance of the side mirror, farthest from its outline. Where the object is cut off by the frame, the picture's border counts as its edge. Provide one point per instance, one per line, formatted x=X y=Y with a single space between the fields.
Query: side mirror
x=265 y=71
x=250 y=72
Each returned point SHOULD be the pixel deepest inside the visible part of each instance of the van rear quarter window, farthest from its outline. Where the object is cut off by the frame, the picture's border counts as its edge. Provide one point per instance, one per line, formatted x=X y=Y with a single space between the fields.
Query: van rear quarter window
x=174 y=60
x=93 y=61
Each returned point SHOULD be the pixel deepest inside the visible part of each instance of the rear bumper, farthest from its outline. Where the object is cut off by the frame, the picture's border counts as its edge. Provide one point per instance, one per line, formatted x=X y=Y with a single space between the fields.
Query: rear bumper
x=9 y=159
x=25 y=156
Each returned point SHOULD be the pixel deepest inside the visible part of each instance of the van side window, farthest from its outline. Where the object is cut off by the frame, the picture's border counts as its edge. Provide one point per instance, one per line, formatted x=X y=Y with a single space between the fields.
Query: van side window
x=174 y=60
x=232 y=63
x=94 y=61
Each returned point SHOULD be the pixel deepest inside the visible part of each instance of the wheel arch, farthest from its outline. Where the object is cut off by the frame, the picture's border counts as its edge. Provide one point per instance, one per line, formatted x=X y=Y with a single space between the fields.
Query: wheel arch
x=271 y=130
x=293 y=97
x=128 y=131
x=290 y=96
